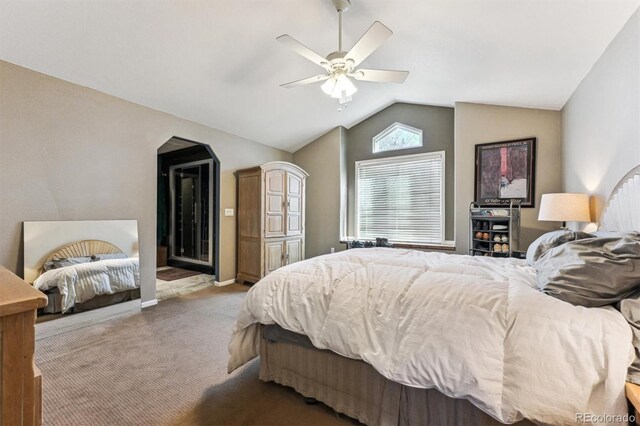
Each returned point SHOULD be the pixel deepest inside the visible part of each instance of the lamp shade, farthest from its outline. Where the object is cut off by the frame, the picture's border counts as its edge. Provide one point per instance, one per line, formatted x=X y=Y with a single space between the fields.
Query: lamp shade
x=565 y=207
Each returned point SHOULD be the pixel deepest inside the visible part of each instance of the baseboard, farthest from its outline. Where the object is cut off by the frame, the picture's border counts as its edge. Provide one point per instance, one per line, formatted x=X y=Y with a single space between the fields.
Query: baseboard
x=85 y=319
x=148 y=303
x=223 y=283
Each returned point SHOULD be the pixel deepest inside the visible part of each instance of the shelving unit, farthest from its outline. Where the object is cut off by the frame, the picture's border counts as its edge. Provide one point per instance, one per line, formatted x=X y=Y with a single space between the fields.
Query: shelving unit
x=482 y=235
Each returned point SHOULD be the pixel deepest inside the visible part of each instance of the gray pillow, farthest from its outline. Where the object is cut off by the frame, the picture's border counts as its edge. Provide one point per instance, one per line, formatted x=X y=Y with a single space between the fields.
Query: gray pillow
x=550 y=240
x=69 y=261
x=630 y=310
x=609 y=234
x=591 y=272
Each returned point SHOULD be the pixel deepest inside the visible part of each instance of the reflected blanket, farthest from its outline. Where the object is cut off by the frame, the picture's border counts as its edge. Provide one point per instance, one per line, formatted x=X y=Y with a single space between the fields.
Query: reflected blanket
x=79 y=283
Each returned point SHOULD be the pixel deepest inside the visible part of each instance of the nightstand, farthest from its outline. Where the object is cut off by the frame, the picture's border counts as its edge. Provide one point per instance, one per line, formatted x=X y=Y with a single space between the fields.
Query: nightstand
x=633 y=395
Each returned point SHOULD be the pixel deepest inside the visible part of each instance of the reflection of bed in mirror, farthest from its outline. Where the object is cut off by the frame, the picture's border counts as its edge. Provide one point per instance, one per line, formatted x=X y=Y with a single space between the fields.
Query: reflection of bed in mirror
x=82 y=265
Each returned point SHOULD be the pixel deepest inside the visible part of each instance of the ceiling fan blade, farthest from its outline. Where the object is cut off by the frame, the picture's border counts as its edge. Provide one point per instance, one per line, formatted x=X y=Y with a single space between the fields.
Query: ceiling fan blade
x=380 y=76
x=369 y=42
x=303 y=50
x=304 y=81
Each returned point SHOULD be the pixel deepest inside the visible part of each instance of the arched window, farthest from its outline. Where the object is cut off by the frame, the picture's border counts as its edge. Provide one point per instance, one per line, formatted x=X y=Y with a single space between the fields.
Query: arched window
x=397 y=136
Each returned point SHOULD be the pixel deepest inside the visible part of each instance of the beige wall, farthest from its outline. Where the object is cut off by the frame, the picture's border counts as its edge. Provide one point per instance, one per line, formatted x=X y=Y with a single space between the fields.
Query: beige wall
x=321 y=159
x=476 y=124
x=601 y=120
x=72 y=153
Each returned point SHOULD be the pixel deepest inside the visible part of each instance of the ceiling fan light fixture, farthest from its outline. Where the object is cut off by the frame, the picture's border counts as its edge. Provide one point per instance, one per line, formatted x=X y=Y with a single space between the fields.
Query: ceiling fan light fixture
x=339 y=86
x=341 y=66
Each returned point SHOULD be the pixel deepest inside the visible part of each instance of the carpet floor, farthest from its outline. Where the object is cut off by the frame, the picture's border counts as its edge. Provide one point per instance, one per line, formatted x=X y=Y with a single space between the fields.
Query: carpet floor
x=165 y=366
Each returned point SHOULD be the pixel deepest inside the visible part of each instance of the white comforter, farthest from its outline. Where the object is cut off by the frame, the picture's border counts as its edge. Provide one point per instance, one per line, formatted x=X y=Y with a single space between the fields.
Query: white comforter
x=472 y=327
x=79 y=283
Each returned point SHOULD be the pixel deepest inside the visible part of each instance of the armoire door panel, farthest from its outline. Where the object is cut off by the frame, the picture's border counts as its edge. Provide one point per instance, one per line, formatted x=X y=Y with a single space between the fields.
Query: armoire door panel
x=294 y=225
x=274 y=203
x=294 y=251
x=275 y=181
x=273 y=255
x=294 y=220
x=274 y=226
x=294 y=204
x=294 y=184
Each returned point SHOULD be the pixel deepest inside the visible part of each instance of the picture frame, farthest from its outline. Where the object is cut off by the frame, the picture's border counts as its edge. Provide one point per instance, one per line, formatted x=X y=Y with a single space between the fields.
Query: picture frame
x=505 y=172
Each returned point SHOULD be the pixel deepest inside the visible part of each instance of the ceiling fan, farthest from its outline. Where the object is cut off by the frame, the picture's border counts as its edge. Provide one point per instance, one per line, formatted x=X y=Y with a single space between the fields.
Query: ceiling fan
x=341 y=66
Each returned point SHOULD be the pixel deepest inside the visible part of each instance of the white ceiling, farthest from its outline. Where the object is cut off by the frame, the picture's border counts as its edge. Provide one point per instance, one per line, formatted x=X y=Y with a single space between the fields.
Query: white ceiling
x=217 y=62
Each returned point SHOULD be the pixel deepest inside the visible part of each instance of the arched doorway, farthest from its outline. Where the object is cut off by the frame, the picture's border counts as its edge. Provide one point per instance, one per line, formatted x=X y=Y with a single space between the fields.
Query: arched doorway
x=188 y=206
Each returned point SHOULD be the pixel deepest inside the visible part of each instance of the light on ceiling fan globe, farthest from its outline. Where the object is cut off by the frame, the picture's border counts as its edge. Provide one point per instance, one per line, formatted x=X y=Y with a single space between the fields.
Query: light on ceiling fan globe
x=339 y=87
x=344 y=87
x=327 y=86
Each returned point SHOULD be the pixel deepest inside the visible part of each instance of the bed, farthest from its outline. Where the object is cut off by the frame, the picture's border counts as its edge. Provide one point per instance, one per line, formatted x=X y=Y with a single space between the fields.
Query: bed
x=82 y=274
x=391 y=336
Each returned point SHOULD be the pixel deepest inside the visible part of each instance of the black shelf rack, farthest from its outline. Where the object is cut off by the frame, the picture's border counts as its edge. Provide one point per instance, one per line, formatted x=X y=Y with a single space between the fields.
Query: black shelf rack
x=482 y=232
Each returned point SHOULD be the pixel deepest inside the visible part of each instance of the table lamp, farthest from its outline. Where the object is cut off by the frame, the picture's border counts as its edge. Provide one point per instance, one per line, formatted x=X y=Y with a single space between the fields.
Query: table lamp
x=564 y=207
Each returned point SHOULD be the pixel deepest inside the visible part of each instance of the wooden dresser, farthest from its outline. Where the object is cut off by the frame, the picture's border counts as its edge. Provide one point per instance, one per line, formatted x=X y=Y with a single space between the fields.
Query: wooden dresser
x=270 y=223
x=633 y=396
x=20 y=380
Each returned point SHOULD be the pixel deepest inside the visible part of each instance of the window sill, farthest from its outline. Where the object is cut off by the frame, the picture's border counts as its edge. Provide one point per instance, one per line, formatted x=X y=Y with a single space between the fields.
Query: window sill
x=440 y=247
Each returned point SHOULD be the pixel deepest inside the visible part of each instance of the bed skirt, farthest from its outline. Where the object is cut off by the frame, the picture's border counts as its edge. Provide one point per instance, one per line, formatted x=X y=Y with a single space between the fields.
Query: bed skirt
x=355 y=388
x=55 y=301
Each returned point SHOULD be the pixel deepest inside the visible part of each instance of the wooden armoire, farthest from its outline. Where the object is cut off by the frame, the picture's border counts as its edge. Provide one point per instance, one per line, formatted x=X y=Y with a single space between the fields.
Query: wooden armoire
x=270 y=206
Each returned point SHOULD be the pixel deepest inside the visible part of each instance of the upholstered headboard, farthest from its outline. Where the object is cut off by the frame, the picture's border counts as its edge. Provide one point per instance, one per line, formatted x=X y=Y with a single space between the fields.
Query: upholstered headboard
x=622 y=211
x=48 y=239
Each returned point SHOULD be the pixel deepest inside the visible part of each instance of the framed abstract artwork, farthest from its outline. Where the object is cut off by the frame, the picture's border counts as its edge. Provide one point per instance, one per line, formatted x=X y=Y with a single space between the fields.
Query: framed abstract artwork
x=505 y=171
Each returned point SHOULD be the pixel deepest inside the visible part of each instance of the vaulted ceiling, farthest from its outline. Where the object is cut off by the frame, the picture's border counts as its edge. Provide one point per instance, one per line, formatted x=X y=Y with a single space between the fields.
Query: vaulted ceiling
x=217 y=62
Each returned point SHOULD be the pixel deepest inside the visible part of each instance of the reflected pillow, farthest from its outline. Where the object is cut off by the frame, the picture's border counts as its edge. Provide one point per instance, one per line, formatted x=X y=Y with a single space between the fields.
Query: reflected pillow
x=97 y=257
x=591 y=272
x=69 y=261
x=550 y=240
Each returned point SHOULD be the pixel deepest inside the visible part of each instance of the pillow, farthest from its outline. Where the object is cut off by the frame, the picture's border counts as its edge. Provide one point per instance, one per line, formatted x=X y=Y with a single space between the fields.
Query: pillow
x=591 y=272
x=609 y=234
x=97 y=257
x=69 y=261
x=550 y=240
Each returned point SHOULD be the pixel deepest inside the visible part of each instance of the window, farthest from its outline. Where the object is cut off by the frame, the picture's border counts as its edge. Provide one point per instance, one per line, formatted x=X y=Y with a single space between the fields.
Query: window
x=401 y=198
x=397 y=136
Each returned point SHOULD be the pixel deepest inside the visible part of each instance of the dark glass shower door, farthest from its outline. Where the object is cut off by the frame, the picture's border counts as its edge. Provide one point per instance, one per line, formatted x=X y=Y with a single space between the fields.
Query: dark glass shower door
x=190 y=224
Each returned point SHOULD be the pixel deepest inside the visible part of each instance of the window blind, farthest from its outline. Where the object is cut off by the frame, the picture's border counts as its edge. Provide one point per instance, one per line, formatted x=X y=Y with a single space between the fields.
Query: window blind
x=401 y=198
